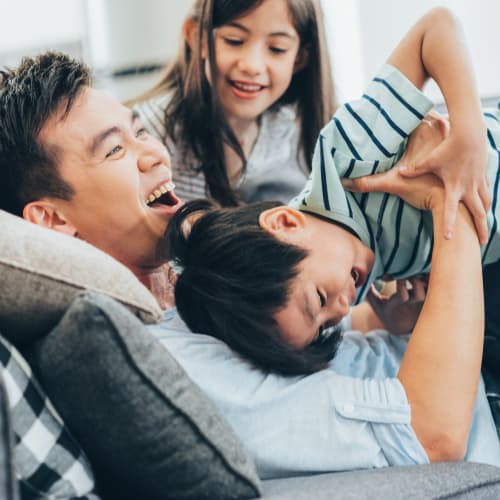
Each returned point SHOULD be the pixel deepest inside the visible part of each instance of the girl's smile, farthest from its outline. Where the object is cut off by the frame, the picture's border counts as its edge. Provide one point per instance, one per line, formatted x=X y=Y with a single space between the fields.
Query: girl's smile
x=256 y=57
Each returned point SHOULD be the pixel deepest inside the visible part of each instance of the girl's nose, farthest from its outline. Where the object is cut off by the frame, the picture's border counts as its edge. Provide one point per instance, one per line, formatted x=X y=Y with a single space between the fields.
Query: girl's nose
x=252 y=61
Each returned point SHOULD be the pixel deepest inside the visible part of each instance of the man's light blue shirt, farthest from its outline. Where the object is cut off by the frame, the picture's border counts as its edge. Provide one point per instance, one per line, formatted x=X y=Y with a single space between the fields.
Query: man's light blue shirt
x=355 y=414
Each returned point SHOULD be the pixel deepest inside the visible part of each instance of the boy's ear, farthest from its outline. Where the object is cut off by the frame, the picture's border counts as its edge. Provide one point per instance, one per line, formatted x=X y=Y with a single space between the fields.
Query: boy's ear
x=301 y=59
x=282 y=221
x=45 y=214
x=190 y=30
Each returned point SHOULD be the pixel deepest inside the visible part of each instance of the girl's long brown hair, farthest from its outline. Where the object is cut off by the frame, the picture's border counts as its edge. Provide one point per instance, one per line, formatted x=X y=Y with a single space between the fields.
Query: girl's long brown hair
x=194 y=117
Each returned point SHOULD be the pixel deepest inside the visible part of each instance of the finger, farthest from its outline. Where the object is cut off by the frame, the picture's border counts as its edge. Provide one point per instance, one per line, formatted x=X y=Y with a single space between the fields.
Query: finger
x=403 y=290
x=369 y=183
x=374 y=292
x=418 y=289
x=485 y=195
x=374 y=299
x=452 y=198
x=476 y=208
x=415 y=169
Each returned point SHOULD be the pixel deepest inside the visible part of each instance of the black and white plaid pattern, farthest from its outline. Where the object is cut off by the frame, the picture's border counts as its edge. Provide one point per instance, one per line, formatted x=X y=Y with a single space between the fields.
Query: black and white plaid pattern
x=48 y=462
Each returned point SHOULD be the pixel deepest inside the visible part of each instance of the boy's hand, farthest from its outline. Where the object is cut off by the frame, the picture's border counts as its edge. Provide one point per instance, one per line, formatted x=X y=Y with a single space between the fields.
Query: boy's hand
x=459 y=160
x=399 y=311
x=424 y=192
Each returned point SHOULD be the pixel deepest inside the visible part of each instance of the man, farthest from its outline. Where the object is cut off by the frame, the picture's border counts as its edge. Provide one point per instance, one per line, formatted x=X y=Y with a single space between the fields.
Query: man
x=74 y=160
x=84 y=165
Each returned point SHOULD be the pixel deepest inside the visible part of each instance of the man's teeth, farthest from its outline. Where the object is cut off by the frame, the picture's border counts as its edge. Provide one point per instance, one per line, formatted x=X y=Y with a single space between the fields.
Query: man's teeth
x=157 y=193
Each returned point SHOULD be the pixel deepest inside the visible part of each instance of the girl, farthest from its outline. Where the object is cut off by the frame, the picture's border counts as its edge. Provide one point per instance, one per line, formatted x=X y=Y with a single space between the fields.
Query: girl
x=241 y=106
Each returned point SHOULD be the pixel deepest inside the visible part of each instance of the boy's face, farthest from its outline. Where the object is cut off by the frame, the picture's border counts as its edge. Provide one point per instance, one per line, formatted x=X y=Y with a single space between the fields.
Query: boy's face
x=325 y=286
x=116 y=170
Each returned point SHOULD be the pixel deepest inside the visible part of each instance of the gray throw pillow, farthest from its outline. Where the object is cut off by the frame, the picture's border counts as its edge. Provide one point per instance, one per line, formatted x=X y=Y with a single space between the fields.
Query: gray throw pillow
x=42 y=271
x=148 y=430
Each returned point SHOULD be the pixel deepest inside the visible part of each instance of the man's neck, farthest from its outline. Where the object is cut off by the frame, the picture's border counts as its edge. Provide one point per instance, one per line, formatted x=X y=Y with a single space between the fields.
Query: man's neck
x=158 y=282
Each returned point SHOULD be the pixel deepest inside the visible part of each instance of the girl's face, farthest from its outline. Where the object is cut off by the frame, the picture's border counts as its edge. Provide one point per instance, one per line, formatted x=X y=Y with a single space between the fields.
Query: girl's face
x=256 y=57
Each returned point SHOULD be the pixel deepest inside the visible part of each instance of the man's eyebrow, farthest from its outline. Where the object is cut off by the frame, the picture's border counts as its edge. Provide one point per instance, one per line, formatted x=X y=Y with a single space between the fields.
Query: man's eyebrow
x=102 y=136
x=274 y=33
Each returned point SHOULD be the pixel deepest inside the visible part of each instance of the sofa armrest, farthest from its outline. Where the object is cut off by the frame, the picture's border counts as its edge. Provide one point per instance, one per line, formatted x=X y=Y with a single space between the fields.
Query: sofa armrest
x=461 y=480
x=8 y=483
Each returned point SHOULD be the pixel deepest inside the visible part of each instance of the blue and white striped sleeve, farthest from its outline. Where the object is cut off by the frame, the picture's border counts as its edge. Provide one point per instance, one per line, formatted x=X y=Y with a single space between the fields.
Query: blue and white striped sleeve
x=365 y=137
x=376 y=126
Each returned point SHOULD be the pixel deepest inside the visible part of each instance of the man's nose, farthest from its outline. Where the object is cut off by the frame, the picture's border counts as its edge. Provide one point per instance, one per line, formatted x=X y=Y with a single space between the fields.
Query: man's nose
x=153 y=154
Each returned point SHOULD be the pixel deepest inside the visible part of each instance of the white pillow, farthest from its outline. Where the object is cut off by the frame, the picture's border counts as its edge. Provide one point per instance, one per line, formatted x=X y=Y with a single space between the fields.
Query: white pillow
x=41 y=271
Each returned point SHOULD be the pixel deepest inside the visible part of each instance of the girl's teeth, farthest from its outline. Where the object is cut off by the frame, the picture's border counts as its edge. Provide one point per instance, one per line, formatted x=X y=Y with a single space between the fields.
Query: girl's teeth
x=248 y=88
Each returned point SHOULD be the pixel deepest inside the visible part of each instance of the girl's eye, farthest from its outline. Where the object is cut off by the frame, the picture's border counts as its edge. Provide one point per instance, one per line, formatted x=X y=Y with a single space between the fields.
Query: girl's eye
x=277 y=50
x=322 y=299
x=234 y=42
x=141 y=131
x=114 y=151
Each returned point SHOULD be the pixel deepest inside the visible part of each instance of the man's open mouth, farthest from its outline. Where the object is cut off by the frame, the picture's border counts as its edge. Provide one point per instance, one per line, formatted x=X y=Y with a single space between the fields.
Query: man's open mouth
x=163 y=195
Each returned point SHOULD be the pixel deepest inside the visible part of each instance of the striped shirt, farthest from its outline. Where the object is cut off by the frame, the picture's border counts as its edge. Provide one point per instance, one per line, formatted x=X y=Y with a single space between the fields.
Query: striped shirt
x=275 y=169
x=369 y=136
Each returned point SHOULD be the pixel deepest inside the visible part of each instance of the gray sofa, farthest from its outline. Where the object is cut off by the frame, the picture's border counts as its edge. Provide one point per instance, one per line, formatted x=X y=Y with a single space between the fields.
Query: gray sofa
x=145 y=429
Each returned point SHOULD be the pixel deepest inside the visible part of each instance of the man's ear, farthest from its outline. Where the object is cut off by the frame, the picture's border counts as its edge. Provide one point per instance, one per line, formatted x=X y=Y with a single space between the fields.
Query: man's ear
x=301 y=59
x=190 y=31
x=45 y=214
x=282 y=222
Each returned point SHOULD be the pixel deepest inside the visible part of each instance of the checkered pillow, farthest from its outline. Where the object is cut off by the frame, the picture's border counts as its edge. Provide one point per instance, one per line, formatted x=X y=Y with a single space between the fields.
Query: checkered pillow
x=47 y=460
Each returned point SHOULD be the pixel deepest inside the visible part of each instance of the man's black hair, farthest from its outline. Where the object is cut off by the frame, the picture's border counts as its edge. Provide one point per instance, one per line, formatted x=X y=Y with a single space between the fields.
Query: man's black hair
x=29 y=96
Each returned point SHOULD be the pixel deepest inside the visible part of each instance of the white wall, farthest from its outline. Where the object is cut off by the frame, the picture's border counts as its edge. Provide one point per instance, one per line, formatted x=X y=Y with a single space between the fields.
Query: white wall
x=28 y=24
x=380 y=24
x=125 y=33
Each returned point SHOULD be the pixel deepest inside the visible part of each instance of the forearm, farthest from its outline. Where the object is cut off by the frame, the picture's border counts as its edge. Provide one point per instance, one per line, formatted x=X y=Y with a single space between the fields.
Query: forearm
x=364 y=318
x=440 y=370
x=435 y=47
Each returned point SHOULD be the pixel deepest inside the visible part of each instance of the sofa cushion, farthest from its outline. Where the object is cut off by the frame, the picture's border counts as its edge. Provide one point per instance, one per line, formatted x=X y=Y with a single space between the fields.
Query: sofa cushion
x=44 y=270
x=148 y=430
x=47 y=460
x=458 y=481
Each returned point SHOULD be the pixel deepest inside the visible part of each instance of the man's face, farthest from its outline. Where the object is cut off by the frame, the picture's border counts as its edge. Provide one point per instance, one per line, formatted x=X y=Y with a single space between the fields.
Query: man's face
x=117 y=171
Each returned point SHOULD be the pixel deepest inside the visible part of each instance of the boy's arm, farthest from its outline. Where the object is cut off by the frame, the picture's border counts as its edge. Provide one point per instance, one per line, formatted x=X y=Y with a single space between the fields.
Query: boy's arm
x=441 y=366
x=435 y=48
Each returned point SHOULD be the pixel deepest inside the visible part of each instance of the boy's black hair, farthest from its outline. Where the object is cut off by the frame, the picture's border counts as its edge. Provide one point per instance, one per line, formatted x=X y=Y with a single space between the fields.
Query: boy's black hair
x=235 y=277
x=29 y=95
